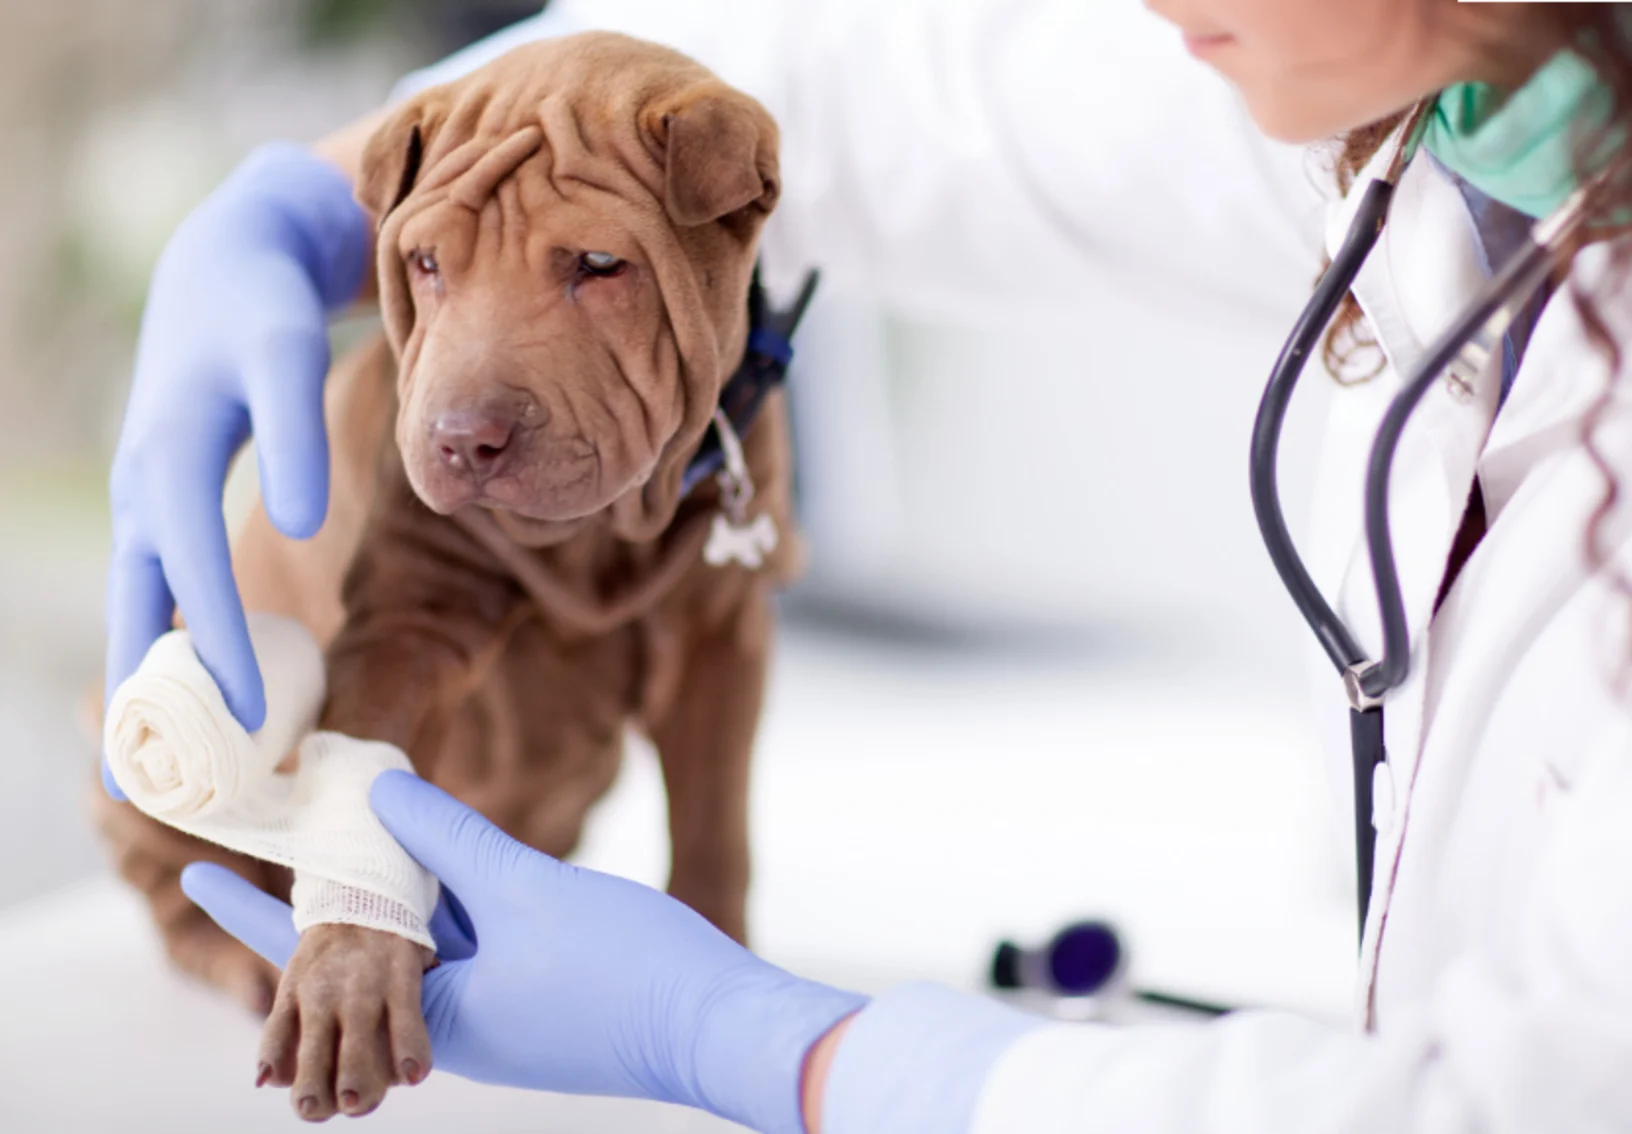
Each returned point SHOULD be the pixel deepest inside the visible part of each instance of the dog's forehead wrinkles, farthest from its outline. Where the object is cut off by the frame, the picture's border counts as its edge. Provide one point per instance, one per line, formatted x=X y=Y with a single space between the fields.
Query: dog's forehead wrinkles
x=491 y=170
x=478 y=113
x=436 y=175
x=470 y=159
x=576 y=158
x=563 y=125
x=510 y=229
x=499 y=110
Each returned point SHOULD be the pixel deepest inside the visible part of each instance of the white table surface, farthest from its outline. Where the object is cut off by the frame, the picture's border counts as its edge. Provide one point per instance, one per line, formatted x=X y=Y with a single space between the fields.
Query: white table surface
x=910 y=808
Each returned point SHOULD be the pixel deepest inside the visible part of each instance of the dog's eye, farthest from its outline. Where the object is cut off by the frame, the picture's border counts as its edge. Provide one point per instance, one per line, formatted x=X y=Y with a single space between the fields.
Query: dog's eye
x=425 y=263
x=600 y=264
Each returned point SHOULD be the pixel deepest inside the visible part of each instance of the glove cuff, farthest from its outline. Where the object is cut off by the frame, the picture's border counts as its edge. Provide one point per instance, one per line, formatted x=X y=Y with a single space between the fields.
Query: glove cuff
x=751 y=1047
x=313 y=205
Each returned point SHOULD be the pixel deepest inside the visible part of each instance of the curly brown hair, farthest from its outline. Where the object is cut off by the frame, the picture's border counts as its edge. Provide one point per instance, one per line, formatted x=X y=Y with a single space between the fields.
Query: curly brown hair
x=1602 y=35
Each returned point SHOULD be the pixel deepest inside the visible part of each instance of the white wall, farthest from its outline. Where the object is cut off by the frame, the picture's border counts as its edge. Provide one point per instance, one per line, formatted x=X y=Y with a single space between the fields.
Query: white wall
x=1072 y=474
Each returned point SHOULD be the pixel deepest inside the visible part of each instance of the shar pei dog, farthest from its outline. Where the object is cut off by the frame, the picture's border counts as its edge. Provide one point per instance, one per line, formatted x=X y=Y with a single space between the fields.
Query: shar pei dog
x=559 y=507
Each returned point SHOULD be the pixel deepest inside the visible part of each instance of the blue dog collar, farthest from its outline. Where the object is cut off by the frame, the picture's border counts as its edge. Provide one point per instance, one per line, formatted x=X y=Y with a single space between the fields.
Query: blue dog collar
x=764 y=368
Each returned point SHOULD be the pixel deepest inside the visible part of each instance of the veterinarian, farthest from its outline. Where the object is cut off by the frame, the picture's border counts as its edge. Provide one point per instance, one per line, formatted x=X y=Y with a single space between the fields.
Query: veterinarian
x=945 y=151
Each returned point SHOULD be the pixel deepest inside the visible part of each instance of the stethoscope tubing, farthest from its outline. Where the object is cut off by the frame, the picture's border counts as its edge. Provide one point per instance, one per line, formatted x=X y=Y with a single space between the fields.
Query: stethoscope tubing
x=1333 y=635
x=1521 y=276
x=1365 y=725
x=1471 y=340
x=1485 y=319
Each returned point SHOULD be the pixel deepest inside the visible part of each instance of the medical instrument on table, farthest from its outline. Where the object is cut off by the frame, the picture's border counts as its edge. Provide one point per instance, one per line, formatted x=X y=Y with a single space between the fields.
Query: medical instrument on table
x=1081 y=974
x=1459 y=355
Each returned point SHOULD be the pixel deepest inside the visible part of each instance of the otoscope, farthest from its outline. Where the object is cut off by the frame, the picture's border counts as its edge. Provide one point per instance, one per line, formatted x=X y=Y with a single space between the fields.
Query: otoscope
x=1081 y=974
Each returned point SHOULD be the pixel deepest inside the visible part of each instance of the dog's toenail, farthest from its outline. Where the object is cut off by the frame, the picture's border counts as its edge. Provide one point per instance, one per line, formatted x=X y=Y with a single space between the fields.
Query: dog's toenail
x=349 y=1100
x=263 y=1074
x=307 y=1106
x=411 y=1073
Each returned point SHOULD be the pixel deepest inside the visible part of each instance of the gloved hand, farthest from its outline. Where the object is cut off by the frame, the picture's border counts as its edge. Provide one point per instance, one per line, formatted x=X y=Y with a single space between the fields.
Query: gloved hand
x=580 y=982
x=234 y=341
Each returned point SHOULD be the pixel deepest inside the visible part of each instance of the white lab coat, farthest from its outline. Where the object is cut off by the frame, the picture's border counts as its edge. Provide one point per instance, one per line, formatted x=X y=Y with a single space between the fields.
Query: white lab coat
x=952 y=155
x=1495 y=989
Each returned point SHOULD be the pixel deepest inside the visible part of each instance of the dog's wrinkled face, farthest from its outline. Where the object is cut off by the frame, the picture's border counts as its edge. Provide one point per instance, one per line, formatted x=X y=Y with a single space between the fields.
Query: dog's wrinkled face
x=540 y=376
x=566 y=242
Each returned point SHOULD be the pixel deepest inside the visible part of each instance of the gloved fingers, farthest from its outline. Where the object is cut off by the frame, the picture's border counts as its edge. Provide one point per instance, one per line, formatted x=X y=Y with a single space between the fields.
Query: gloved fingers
x=451 y=929
x=447 y=838
x=197 y=562
x=284 y=374
x=251 y=915
x=139 y=612
x=441 y=995
x=140 y=608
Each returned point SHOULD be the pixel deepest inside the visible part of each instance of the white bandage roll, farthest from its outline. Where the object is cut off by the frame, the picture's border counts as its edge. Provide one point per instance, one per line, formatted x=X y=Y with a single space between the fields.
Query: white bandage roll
x=177 y=750
x=179 y=754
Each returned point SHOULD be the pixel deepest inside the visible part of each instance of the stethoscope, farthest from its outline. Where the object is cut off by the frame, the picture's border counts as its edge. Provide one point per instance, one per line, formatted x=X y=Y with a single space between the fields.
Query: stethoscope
x=1081 y=972
x=1460 y=354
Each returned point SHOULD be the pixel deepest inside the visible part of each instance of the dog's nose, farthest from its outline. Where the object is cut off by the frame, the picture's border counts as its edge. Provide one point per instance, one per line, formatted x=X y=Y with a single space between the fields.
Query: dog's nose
x=474 y=444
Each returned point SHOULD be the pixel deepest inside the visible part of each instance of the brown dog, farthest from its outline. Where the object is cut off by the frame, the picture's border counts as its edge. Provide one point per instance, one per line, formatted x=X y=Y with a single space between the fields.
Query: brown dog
x=514 y=574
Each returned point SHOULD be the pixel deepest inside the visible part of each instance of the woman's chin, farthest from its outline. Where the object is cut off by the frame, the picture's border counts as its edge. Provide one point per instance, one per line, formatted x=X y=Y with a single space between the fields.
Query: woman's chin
x=1282 y=120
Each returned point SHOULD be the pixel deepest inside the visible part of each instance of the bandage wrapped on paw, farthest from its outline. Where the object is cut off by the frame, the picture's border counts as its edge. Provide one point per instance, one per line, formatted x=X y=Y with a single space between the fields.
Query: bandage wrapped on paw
x=284 y=794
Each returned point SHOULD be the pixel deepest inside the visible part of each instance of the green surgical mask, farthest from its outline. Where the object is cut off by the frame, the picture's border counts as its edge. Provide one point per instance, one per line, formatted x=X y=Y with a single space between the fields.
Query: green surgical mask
x=1519 y=147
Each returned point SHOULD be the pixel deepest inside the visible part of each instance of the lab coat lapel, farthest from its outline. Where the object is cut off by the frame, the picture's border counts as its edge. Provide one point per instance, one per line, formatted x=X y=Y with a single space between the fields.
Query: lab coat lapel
x=1535 y=562
x=1558 y=385
x=1542 y=488
x=1425 y=268
x=1423 y=272
x=1546 y=487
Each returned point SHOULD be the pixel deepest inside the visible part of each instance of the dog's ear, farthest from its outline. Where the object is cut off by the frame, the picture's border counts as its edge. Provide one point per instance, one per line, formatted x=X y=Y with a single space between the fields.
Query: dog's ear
x=719 y=152
x=391 y=161
x=390 y=167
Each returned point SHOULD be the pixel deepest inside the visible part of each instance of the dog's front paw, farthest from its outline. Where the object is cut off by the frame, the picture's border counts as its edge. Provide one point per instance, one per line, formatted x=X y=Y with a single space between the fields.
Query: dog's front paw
x=346 y=1024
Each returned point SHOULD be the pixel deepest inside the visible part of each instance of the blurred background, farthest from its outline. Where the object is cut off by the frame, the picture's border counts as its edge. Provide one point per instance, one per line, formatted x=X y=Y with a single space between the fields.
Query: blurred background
x=117 y=118
x=1040 y=668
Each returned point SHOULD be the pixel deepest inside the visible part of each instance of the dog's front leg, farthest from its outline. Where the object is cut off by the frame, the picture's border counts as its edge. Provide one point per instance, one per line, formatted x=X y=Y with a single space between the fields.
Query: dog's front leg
x=423 y=613
x=425 y=607
x=705 y=741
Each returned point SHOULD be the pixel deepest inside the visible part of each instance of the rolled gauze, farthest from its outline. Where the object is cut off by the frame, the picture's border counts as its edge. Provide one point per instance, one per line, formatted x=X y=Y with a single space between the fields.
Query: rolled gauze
x=177 y=751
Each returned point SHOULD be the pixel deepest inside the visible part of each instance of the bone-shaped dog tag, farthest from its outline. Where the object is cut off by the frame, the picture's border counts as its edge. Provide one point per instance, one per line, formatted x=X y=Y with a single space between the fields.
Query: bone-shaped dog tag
x=747 y=544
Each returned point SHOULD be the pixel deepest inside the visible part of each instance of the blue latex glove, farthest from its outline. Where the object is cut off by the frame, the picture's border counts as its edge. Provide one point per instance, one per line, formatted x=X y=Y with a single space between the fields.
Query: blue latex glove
x=234 y=340
x=580 y=982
